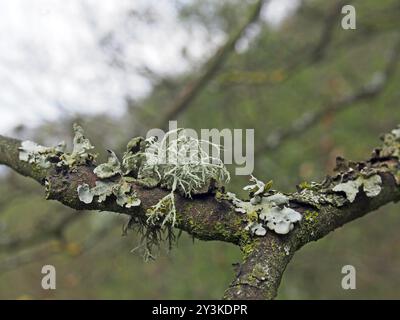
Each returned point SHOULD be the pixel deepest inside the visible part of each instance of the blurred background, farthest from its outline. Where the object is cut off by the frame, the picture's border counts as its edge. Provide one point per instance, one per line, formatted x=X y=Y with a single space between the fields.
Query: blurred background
x=310 y=89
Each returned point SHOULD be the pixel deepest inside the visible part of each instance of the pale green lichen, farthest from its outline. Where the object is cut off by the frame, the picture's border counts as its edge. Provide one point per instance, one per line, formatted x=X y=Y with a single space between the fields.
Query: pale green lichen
x=318 y=196
x=258 y=187
x=109 y=169
x=41 y=156
x=371 y=186
x=179 y=163
x=81 y=154
x=44 y=157
x=122 y=190
x=163 y=211
x=271 y=210
x=391 y=144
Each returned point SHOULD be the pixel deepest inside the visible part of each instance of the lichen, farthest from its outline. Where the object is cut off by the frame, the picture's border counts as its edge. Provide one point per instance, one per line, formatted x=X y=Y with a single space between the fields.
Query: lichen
x=41 y=156
x=280 y=220
x=265 y=209
x=81 y=154
x=85 y=194
x=109 y=169
x=44 y=157
x=391 y=144
x=180 y=164
x=122 y=191
x=371 y=186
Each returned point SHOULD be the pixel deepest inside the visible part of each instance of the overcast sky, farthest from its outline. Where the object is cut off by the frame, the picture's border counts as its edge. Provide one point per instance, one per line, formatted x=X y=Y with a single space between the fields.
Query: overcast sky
x=85 y=56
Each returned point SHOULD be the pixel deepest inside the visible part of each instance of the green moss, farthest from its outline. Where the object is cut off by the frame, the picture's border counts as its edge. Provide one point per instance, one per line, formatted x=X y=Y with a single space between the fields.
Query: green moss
x=310 y=216
x=305 y=185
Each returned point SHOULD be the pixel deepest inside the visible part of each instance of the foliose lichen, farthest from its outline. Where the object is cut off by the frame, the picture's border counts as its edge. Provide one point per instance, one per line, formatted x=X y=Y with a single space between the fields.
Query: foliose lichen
x=370 y=185
x=41 y=156
x=44 y=157
x=265 y=209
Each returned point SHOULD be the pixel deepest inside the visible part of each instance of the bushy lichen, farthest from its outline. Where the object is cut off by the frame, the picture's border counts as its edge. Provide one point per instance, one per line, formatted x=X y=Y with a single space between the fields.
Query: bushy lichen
x=180 y=164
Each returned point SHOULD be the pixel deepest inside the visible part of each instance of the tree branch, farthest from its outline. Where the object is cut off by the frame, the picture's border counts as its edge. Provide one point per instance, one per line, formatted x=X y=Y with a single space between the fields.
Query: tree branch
x=322 y=206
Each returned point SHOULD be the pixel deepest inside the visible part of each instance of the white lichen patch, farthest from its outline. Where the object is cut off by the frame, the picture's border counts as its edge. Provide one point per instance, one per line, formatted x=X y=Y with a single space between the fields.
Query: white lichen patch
x=271 y=211
x=280 y=220
x=277 y=199
x=85 y=194
x=44 y=157
x=371 y=186
x=396 y=133
x=34 y=153
x=258 y=229
x=258 y=188
x=109 y=169
x=122 y=190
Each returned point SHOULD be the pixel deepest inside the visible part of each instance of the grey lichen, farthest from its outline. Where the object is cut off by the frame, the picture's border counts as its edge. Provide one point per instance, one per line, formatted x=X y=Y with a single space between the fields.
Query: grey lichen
x=280 y=220
x=371 y=186
x=81 y=154
x=122 y=191
x=44 y=157
x=181 y=164
x=109 y=169
x=265 y=210
x=85 y=194
x=391 y=144
x=36 y=154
